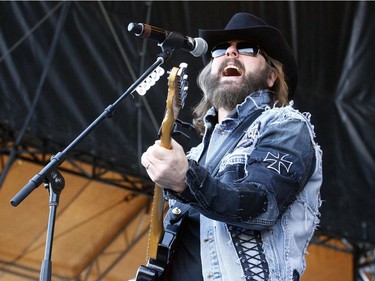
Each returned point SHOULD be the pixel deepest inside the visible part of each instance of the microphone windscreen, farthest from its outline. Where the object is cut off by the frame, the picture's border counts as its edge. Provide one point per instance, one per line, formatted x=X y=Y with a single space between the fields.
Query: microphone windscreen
x=200 y=48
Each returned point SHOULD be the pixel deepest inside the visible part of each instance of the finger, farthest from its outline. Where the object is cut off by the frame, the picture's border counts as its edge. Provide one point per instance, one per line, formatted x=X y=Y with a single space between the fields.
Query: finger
x=145 y=161
x=176 y=145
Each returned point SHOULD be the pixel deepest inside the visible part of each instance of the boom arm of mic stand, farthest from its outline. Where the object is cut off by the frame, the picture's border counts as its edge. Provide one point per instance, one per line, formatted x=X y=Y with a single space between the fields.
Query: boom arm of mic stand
x=60 y=157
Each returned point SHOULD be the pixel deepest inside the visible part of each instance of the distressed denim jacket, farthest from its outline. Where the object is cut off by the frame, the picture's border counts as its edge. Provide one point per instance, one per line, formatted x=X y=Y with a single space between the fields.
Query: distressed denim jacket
x=269 y=185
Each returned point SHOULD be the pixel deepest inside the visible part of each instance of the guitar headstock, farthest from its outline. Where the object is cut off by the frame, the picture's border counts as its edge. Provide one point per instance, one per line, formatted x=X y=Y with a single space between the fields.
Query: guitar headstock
x=177 y=92
x=177 y=89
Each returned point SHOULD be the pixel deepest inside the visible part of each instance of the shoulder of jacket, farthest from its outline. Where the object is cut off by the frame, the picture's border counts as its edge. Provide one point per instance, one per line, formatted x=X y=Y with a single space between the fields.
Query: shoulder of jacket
x=285 y=112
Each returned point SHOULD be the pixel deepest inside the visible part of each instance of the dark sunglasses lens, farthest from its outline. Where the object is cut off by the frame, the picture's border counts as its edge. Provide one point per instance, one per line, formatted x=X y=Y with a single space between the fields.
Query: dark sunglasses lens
x=247 y=49
x=219 y=50
x=244 y=48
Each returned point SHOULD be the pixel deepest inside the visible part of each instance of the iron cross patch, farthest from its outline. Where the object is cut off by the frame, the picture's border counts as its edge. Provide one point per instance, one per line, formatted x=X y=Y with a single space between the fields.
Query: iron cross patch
x=278 y=162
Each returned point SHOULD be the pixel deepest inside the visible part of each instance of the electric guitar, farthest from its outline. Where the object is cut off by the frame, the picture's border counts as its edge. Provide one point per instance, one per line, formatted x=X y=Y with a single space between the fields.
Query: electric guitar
x=161 y=243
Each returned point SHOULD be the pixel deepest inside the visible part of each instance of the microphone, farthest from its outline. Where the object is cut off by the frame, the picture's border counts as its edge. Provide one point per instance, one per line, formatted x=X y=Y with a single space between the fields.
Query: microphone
x=196 y=46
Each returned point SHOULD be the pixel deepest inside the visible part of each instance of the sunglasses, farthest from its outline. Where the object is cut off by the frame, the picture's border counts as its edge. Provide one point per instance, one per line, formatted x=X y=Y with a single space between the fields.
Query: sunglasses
x=243 y=48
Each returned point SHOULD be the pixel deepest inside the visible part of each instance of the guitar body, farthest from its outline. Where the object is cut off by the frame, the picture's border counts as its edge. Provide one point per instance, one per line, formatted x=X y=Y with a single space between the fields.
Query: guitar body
x=163 y=243
x=150 y=273
x=159 y=269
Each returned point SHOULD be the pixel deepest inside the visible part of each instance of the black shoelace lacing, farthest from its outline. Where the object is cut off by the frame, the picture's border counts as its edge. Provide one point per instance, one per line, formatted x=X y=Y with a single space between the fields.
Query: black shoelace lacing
x=248 y=244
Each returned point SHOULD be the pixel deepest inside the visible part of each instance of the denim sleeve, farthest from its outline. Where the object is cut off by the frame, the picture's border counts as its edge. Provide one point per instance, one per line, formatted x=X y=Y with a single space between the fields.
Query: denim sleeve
x=282 y=160
x=256 y=183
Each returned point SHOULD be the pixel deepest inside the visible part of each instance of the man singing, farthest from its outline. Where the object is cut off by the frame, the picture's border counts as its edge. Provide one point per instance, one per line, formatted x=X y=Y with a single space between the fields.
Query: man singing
x=249 y=193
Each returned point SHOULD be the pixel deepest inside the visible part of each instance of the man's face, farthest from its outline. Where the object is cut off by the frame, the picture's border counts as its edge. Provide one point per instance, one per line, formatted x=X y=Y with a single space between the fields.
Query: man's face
x=235 y=74
x=233 y=66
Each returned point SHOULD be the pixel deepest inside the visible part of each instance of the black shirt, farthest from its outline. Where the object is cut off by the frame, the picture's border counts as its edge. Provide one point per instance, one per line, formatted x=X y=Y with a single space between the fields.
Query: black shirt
x=187 y=265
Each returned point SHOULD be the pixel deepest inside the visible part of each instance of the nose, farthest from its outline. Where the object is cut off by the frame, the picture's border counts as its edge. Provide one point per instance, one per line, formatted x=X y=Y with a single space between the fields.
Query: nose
x=232 y=50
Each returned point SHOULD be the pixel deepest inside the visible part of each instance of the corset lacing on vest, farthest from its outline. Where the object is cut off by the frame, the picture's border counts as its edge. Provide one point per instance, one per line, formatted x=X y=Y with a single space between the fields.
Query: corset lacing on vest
x=248 y=244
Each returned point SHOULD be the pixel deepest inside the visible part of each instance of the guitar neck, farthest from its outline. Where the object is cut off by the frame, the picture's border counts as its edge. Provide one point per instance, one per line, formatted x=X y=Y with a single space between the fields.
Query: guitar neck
x=176 y=95
x=156 y=229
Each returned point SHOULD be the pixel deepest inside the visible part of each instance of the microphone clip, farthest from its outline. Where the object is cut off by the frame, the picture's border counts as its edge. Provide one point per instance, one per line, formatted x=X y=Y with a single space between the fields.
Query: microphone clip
x=173 y=41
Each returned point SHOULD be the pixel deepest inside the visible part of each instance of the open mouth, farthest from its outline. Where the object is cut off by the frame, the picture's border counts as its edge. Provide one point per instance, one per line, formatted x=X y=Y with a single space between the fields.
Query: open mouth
x=232 y=70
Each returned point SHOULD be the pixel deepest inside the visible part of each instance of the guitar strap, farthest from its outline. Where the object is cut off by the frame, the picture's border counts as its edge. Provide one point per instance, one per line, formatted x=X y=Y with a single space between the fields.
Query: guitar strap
x=213 y=166
x=230 y=143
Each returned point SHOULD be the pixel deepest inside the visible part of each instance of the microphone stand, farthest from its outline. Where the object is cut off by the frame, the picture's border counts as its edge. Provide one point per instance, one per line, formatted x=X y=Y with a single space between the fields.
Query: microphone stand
x=55 y=182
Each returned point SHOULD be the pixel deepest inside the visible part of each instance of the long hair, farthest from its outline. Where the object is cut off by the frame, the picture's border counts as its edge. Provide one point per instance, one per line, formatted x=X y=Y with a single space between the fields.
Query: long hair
x=279 y=91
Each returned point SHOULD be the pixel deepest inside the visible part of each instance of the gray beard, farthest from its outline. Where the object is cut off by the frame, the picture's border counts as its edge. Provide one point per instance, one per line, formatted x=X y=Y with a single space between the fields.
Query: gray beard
x=228 y=94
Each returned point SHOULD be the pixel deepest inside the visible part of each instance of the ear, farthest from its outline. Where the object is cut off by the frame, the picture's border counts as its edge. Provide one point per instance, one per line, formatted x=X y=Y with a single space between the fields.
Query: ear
x=272 y=76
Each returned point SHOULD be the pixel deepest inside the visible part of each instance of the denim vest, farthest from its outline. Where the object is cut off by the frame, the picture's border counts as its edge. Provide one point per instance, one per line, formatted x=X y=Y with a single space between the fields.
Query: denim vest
x=278 y=158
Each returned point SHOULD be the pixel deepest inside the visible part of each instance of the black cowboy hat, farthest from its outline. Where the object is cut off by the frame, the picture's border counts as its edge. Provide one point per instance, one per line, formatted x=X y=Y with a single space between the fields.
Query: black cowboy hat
x=244 y=26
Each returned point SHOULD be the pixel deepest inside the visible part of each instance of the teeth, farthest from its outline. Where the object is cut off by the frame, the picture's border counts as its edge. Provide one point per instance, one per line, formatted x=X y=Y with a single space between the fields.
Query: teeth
x=232 y=70
x=232 y=66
